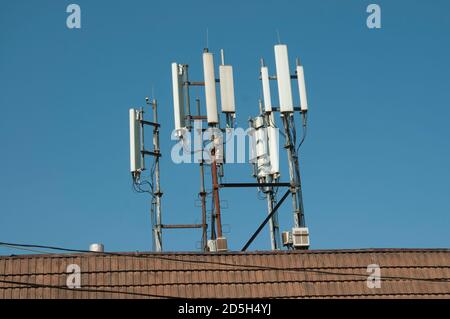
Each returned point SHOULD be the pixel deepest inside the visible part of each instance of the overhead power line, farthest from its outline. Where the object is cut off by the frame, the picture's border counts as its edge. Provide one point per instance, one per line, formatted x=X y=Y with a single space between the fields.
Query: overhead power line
x=34 y=285
x=255 y=267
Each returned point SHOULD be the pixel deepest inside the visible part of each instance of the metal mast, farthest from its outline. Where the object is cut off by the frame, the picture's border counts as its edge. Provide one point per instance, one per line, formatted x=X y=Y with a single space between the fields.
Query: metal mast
x=157 y=190
x=216 y=193
x=274 y=227
x=202 y=193
x=294 y=174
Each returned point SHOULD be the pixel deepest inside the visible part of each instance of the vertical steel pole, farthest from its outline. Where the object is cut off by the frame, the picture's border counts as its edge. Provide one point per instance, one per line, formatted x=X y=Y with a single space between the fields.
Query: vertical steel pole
x=203 y=199
x=187 y=101
x=273 y=222
x=294 y=174
x=216 y=192
x=202 y=190
x=301 y=217
x=141 y=117
x=273 y=242
x=157 y=191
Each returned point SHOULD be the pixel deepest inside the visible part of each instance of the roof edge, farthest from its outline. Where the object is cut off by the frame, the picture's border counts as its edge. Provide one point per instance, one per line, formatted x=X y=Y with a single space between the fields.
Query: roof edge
x=257 y=252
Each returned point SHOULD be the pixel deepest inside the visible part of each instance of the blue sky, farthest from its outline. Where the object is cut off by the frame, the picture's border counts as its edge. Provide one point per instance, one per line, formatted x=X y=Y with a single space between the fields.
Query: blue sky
x=375 y=165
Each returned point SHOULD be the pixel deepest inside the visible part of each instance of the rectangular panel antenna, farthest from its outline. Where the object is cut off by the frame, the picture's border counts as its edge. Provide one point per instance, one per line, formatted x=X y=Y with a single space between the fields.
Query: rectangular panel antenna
x=283 y=78
x=227 y=88
x=273 y=135
x=261 y=147
x=266 y=89
x=210 y=88
x=178 y=104
x=302 y=88
x=135 y=141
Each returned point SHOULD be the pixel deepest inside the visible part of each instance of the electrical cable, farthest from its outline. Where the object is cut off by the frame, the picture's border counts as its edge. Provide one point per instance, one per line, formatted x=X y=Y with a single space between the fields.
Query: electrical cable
x=260 y=194
x=135 y=188
x=213 y=216
x=138 y=189
x=305 y=127
x=34 y=285
x=273 y=124
x=293 y=130
x=27 y=249
x=256 y=267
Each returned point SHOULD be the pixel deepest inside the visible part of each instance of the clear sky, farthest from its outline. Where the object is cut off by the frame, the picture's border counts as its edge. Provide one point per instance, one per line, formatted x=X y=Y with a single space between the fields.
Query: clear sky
x=375 y=165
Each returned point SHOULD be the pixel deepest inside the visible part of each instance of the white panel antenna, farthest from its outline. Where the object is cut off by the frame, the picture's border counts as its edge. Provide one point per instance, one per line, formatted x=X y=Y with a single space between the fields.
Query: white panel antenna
x=302 y=88
x=261 y=147
x=135 y=141
x=273 y=136
x=178 y=104
x=266 y=89
x=227 y=88
x=283 y=78
x=210 y=88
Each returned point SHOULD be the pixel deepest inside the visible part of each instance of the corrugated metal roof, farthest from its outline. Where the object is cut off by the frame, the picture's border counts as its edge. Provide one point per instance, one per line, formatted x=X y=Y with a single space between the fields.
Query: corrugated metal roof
x=405 y=273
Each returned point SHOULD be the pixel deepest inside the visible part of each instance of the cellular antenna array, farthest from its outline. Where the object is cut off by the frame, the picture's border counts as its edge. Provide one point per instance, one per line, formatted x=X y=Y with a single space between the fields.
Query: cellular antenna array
x=265 y=146
x=138 y=154
x=187 y=122
x=298 y=238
